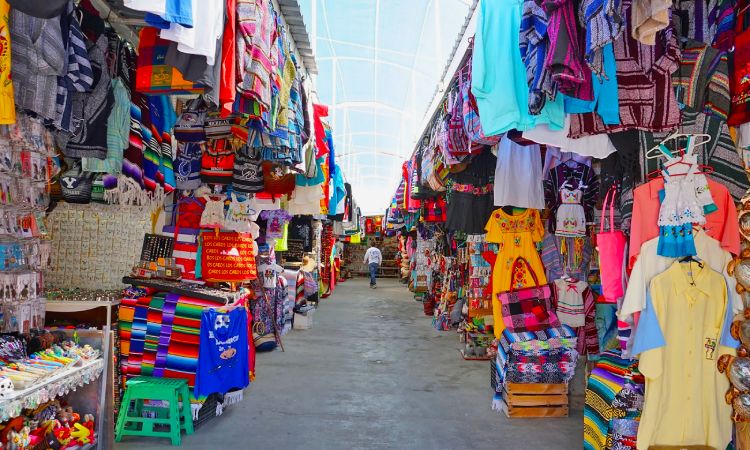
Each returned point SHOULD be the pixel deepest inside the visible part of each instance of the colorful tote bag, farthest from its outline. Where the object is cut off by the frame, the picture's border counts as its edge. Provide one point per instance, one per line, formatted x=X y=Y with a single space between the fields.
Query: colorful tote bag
x=611 y=246
x=530 y=308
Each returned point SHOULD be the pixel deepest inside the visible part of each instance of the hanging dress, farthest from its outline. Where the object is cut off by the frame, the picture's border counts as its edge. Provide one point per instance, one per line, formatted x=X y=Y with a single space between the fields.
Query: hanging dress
x=517 y=236
x=571 y=218
x=213 y=214
x=679 y=210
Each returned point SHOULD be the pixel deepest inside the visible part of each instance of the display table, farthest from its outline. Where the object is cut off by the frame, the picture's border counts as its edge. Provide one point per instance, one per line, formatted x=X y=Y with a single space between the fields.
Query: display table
x=56 y=385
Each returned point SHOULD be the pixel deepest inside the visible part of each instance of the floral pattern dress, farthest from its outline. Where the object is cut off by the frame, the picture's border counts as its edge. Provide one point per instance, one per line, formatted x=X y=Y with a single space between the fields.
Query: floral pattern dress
x=517 y=236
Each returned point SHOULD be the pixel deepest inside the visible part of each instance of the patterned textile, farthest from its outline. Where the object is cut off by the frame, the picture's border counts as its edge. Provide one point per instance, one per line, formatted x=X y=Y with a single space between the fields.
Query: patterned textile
x=614 y=392
x=39 y=57
x=588 y=335
x=646 y=95
x=604 y=24
x=566 y=255
x=152 y=75
x=702 y=80
x=564 y=58
x=534 y=44
x=255 y=45
x=573 y=174
x=546 y=356
x=707 y=21
x=80 y=76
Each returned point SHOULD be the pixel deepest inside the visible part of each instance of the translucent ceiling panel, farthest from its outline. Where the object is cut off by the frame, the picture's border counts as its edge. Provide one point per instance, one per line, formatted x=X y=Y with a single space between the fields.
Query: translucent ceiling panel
x=379 y=64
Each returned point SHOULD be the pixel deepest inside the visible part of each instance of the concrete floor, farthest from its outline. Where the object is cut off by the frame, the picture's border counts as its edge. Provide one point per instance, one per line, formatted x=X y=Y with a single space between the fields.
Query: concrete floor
x=374 y=374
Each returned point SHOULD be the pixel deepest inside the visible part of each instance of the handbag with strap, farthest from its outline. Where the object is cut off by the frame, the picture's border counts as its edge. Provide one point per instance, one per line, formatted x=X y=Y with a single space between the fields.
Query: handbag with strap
x=611 y=246
x=529 y=308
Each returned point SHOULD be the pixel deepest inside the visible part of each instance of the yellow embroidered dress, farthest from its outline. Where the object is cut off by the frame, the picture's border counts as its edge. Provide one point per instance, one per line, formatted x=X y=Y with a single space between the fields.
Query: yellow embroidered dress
x=516 y=236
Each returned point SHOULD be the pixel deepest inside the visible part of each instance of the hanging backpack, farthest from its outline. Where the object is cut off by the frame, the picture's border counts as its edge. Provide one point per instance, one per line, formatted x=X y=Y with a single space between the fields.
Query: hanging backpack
x=187 y=165
x=190 y=126
x=217 y=162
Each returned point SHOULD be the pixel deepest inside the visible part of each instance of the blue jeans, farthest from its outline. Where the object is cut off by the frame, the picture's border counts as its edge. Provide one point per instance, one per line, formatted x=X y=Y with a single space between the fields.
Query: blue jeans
x=373 y=273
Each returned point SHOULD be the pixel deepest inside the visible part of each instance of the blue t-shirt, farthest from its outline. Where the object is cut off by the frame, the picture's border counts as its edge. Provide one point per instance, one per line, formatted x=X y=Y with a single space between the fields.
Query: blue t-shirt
x=222 y=358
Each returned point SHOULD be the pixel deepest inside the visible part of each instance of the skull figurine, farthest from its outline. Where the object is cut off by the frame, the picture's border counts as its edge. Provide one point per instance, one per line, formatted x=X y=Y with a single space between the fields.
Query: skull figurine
x=222 y=321
x=6 y=387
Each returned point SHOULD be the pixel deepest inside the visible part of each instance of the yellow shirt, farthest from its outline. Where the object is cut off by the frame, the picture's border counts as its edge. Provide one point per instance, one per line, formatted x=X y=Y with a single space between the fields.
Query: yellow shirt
x=7 y=101
x=516 y=235
x=678 y=338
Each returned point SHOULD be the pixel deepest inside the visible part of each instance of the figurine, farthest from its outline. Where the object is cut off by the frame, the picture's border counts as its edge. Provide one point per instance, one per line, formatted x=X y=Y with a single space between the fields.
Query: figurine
x=737 y=369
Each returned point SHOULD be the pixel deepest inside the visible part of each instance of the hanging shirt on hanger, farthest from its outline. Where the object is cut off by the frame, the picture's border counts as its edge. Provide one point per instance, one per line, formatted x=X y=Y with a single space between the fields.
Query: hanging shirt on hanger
x=518 y=175
x=678 y=342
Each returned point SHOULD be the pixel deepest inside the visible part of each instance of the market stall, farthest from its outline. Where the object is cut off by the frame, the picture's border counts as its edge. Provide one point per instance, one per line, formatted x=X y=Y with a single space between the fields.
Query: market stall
x=576 y=209
x=170 y=190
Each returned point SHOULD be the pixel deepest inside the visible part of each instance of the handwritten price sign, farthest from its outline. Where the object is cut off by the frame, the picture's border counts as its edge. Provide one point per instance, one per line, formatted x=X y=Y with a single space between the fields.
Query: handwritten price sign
x=227 y=256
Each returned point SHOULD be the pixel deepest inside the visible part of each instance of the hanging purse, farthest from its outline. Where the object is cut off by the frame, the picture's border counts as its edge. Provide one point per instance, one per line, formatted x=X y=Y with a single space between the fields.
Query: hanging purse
x=529 y=308
x=611 y=247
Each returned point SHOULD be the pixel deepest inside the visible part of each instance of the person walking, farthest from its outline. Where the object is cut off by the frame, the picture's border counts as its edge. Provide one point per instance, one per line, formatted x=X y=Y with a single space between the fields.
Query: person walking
x=373 y=258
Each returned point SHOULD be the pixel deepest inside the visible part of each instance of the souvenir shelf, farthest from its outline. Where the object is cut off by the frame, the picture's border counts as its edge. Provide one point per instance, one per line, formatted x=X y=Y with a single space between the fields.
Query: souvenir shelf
x=67 y=306
x=59 y=384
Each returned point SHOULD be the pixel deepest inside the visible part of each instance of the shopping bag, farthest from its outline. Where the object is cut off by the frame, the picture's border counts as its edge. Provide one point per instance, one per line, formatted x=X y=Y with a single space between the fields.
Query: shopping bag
x=611 y=247
x=529 y=308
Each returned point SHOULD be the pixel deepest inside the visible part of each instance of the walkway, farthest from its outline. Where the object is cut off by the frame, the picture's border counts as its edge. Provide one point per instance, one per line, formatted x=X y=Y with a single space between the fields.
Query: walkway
x=374 y=373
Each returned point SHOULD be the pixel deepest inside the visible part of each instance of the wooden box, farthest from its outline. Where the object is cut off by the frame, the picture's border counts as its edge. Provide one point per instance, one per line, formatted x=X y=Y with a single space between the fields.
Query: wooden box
x=535 y=400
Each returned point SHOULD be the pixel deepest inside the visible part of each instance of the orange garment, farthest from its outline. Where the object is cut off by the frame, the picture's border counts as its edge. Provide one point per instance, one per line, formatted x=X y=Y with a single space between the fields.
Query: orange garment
x=517 y=236
x=721 y=224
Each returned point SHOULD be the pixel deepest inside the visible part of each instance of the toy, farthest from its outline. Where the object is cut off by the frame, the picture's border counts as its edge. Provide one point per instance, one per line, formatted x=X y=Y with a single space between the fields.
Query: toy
x=6 y=387
x=18 y=440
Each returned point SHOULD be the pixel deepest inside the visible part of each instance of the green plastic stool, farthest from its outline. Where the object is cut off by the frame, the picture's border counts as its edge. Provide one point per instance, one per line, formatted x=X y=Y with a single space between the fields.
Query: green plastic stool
x=172 y=390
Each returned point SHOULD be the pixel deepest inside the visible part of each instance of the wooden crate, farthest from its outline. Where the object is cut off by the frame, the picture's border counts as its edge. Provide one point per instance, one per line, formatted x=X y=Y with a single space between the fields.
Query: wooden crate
x=535 y=400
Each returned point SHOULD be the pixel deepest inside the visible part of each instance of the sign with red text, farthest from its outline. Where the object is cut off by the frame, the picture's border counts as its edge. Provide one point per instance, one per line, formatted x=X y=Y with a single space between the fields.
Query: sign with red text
x=227 y=256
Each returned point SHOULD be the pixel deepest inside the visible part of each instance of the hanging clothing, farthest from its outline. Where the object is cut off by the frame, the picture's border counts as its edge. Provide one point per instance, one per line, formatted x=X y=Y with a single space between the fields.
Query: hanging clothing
x=603 y=25
x=648 y=17
x=92 y=108
x=678 y=342
x=566 y=256
x=213 y=214
x=254 y=43
x=570 y=308
x=518 y=175
x=565 y=59
x=517 y=236
x=606 y=102
x=275 y=221
x=501 y=90
x=597 y=145
x=470 y=203
x=200 y=39
x=650 y=264
x=571 y=176
x=118 y=133
x=38 y=59
x=223 y=352
x=7 y=102
x=721 y=224
x=644 y=80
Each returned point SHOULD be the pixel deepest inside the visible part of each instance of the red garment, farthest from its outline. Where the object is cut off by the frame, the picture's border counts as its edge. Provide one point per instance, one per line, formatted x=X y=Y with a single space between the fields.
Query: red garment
x=721 y=224
x=228 y=78
x=320 y=111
